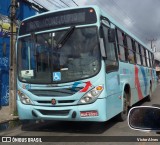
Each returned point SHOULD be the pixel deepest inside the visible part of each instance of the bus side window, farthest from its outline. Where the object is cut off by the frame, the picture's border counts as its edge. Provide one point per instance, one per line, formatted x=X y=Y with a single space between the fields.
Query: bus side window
x=149 y=58
x=111 y=61
x=153 y=66
x=143 y=55
x=131 y=57
x=137 y=53
x=134 y=51
x=140 y=53
x=121 y=45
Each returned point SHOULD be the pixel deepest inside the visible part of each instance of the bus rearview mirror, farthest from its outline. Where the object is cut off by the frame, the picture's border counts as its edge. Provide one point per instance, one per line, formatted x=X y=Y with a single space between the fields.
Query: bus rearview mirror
x=111 y=35
x=144 y=118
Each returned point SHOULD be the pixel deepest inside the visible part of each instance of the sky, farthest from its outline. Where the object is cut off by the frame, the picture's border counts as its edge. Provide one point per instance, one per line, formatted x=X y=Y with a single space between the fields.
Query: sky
x=140 y=17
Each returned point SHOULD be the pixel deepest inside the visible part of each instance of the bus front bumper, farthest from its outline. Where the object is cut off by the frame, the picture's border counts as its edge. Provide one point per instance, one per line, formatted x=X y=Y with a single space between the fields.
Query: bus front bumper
x=89 y=112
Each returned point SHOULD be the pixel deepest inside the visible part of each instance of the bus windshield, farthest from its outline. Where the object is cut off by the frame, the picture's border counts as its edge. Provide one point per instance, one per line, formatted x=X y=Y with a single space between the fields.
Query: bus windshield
x=42 y=60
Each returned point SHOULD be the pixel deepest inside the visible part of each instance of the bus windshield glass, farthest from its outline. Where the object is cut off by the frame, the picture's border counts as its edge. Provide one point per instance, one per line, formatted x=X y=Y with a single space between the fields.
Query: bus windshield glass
x=41 y=59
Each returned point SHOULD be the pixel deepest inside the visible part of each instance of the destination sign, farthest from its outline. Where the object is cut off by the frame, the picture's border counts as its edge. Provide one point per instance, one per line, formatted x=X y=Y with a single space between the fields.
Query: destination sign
x=58 y=19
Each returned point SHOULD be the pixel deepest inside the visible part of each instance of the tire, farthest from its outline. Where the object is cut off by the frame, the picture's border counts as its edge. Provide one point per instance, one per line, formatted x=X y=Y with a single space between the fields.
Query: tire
x=123 y=115
x=149 y=98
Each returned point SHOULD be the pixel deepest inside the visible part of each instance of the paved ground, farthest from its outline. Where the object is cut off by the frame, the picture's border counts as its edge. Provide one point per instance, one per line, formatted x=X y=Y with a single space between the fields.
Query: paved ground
x=5 y=115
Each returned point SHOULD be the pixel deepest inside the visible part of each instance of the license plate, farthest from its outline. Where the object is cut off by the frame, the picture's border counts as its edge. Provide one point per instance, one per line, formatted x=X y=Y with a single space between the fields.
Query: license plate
x=88 y=113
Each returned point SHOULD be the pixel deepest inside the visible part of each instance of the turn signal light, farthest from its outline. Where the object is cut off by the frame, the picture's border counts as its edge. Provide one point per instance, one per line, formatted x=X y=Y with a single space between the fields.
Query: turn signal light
x=99 y=88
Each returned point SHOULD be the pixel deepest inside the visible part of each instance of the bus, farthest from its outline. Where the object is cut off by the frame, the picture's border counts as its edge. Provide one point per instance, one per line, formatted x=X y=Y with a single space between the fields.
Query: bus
x=79 y=64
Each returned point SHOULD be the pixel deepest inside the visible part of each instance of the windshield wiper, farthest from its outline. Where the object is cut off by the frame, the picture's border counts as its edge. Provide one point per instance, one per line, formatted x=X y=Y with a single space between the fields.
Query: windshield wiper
x=65 y=37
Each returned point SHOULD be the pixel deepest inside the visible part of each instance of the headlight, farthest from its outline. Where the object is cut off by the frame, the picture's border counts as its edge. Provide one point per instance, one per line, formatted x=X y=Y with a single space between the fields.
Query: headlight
x=91 y=96
x=24 y=99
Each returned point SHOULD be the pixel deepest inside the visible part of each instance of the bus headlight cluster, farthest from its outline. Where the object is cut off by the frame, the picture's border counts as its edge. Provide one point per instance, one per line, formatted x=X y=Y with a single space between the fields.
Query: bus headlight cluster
x=91 y=96
x=24 y=99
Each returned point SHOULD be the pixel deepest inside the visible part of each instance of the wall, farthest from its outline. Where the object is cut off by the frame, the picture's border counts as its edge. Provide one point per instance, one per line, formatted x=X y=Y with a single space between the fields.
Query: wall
x=22 y=12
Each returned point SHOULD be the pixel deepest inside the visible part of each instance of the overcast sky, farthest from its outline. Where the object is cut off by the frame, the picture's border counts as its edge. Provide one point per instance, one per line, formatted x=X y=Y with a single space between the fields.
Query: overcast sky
x=141 y=17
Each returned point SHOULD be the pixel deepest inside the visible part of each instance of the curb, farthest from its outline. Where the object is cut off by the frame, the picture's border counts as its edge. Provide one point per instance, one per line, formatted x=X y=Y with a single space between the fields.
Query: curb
x=10 y=119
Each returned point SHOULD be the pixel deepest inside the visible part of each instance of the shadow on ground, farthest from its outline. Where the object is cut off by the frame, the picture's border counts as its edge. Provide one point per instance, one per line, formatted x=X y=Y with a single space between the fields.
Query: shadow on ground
x=70 y=127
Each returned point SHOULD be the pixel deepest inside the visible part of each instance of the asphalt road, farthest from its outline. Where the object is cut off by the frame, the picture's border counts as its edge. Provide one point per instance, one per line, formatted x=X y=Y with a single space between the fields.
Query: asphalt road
x=87 y=129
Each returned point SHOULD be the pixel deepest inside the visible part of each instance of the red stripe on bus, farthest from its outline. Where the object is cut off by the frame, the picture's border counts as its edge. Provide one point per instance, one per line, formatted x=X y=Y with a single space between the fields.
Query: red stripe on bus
x=88 y=84
x=137 y=84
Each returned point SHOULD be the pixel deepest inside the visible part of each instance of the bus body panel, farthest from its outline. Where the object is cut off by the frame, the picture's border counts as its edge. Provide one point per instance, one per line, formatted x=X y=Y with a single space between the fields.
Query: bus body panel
x=138 y=78
x=109 y=102
x=25 y=112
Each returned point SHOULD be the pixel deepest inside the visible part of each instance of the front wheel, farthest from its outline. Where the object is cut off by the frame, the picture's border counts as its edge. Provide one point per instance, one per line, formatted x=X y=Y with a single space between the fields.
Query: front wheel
x=123 y=115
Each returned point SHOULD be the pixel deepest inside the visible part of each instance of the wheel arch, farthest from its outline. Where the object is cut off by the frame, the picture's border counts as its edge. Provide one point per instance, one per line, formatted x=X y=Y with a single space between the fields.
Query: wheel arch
x=127 y=90
x=150 y=83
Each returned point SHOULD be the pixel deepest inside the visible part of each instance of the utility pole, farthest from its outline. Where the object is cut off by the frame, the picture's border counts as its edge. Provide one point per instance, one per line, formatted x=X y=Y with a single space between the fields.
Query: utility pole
x=152 y=40
x=12 y=71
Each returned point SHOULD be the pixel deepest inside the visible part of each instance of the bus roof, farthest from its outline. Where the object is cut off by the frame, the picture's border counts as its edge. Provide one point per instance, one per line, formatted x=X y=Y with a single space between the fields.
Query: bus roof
x=64 y=9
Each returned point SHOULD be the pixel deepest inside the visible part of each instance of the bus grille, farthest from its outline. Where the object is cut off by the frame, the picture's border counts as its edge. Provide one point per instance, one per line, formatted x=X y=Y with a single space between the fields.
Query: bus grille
x=55 y=112
x=59 y=102
x=55 y=92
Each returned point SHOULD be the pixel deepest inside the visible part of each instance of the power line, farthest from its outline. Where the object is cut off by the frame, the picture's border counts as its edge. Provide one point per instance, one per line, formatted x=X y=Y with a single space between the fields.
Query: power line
x=53 y=4
x=74 y=2
x=59 y=3
x=38 y=4
x=112 y=13
x=122 y=10
x=64 y=3
x=33 y=5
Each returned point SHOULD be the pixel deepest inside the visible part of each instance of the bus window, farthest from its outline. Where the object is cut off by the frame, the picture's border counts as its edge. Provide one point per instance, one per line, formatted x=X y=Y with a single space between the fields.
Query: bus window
x=148 y=64
x=130 y=50
x=27 y=61
x=122 y=51
x=153 y=60
x=150 y=58
x=42 y=52
x=111 y=61
x=145 y=57
x=137 y=53
x=141 y=54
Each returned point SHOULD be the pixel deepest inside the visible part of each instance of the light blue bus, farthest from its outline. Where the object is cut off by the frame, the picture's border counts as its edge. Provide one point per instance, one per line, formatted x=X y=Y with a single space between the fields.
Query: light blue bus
x=78 y=64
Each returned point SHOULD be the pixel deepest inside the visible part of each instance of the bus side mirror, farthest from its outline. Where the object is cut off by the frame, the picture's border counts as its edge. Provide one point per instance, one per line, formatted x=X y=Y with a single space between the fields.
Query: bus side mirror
x=111 y=35
x=144 y=118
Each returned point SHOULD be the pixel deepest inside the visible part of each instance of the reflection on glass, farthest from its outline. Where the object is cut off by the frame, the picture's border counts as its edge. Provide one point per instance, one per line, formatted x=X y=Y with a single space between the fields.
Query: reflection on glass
x=145 y=118
x=77 y=59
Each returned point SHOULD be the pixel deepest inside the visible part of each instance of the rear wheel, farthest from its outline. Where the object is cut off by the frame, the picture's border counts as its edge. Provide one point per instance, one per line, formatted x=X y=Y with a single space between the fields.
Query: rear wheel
x=123 y=115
